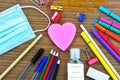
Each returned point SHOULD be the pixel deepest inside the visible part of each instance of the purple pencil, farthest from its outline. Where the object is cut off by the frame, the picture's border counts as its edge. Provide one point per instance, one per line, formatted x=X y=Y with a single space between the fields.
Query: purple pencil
x=52 y=67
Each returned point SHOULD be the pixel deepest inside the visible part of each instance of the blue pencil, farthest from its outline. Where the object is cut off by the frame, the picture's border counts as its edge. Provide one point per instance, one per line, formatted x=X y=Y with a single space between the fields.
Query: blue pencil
x=52 y=67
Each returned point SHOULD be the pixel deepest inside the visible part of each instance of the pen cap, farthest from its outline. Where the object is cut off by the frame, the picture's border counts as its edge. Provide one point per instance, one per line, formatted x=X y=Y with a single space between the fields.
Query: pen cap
x=105 y=10
x=37 y=56
x=75 y=53
x=103 y=19
x=94 y=32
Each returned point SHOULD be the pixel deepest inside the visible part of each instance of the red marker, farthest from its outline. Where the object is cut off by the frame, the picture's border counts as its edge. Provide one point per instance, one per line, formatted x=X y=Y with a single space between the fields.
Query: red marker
x=109 y=42
x=49 y=66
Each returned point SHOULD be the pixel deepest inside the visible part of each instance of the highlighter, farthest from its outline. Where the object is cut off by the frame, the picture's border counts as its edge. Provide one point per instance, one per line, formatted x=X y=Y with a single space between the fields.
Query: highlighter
x=109 y=33
x=109 y=13
x=100 y=51
x=109 y=49
x=109 y=42
x=109 y=27
x=103 y=19
x=103 y=62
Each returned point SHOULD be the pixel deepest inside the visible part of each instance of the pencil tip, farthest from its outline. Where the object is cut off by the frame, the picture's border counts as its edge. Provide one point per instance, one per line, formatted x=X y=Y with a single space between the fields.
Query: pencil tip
x=58 y=62
x=54 y=52
x=57 y=53
x=51 y=51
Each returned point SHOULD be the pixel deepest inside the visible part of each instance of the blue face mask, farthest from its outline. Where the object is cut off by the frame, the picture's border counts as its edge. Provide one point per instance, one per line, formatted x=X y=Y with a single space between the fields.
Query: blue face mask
x=15 y=28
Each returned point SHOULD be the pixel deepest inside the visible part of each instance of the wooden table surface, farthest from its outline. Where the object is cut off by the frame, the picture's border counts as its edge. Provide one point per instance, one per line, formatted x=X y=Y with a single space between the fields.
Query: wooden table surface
x=38 y=21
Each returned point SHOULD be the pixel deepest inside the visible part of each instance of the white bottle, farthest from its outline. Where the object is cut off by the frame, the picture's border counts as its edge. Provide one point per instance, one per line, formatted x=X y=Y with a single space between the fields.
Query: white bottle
x=75 y=67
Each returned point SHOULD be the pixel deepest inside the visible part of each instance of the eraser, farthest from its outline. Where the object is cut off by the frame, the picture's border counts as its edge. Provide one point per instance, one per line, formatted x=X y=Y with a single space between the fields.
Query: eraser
x=97 y=75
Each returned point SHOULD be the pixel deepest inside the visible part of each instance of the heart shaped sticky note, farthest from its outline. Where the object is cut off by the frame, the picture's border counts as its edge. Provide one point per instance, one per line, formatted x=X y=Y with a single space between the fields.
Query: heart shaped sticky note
x=62 y=35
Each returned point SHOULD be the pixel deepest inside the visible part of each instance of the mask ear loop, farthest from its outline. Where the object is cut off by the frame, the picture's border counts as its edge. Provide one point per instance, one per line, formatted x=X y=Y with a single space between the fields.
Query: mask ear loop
x=43 y=14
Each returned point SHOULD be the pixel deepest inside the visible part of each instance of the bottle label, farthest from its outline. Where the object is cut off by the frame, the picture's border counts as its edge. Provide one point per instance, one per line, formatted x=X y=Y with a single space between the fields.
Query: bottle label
x=75 y=71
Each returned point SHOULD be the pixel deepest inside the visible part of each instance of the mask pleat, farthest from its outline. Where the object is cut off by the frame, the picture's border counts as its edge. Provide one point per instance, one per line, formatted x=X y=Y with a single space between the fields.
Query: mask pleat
x=15 y=41
x=13 y=28
x=8 y=24
x=12 y=34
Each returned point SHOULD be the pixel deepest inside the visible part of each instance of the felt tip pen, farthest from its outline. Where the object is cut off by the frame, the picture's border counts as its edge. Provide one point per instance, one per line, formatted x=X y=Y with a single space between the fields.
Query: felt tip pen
x=44 y=69
x=109 y=27
x=49 y=66
x=109 y=49
x=95 y=51
x=33 y=61
x=100 y=51
x=39 y=67
x=109 y=13
x=109 y=33
x=109 y=42
x=53 y=66
x=56 y=70
x=103 y=19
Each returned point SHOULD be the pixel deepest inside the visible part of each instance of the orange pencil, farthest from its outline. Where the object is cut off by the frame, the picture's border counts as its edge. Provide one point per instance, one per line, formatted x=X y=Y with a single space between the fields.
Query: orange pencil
x=109 y=33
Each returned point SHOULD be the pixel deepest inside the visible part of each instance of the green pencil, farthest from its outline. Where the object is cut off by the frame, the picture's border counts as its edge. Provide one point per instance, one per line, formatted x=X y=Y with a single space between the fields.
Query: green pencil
x=43 y=71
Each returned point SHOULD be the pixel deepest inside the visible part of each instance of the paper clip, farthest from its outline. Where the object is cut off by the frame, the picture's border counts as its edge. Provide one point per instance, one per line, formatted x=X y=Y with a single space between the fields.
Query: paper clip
x=35 y=2
x=56 y=7
x=91 y=60
x=94 y=21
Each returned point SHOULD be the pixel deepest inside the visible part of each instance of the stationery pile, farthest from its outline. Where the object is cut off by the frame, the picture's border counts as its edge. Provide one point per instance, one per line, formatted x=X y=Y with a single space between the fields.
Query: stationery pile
x=62 y=36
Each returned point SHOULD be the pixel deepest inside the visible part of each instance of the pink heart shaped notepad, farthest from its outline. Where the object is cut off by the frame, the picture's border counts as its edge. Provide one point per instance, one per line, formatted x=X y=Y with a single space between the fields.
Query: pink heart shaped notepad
x=62 y=35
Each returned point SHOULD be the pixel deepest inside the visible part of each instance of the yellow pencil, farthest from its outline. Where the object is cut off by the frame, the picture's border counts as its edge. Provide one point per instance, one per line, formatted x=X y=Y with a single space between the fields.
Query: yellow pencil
x=103 y=62
x=99 y=50
x=21 y=56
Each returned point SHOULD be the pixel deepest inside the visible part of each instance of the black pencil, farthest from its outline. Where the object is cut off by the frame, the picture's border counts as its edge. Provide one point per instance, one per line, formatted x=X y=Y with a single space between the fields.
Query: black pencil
x=56 y=70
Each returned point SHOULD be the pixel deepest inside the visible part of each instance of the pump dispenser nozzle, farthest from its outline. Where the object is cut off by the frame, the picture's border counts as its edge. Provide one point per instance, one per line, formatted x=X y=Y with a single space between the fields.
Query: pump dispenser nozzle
x=75 y=53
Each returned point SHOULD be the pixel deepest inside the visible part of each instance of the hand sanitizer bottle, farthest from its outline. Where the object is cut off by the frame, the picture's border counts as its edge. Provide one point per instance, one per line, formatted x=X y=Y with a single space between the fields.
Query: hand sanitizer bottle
x=75 y=67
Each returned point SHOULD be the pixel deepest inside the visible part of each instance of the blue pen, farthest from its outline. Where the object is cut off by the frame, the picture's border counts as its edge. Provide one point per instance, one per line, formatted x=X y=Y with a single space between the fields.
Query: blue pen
x=39 y=67
x=53 y=65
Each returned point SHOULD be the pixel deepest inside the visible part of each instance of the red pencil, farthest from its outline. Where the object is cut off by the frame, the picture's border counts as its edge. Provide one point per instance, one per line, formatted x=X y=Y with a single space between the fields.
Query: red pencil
x=49 y=66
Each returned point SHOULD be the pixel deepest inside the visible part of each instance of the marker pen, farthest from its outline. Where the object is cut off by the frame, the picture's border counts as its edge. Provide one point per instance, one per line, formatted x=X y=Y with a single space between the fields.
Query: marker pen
x=101 y=59
x=109 y=42
x=109 y=13
x=109 y=27
x=109 y=33
x=109 y=49
x=103 y=19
